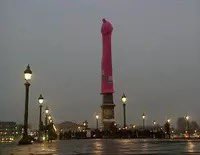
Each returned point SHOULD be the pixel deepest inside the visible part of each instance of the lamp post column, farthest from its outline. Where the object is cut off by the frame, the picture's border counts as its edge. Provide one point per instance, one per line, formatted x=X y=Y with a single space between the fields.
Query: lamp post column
x=124 y=99
x=46 y=117
x=46 y=127
x=40 y=122
x=187 y=125
x=27 y=76
x=25 y=134
x=97 y=122
x=40 y=100
x=143 y=121
x=143 y=124
x=124 y=109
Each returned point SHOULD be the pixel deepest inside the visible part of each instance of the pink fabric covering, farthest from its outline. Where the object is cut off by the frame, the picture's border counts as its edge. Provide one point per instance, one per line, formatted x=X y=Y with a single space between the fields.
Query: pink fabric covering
x=106 y=64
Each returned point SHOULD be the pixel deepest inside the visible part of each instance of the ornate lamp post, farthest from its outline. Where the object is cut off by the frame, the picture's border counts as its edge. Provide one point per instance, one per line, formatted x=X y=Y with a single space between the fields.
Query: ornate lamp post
x=124 y=99
x=85 y=124
x=40 y=100
x=143 y=120
x=154 y=124
x=168 y=128
x=187 y=125
x=46 y=117
x=27 y=76
x=154 y=128
x=97 y=119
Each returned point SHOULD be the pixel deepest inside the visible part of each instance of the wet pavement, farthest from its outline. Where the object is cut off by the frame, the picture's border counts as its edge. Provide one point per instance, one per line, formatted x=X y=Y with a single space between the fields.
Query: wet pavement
x=104 y=147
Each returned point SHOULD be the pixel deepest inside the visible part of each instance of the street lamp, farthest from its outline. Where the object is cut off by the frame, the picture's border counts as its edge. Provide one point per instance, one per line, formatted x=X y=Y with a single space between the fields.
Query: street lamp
x=154 y=128
x=187 y=117
x=154 y=124
x=40 y=100
x=168 y=128
x=49 y=117
x=27 y=76
x=46 y=112
x=187 y=124
x=143 y=119
x=97 y=118
x=124 y=99
x=85 y=124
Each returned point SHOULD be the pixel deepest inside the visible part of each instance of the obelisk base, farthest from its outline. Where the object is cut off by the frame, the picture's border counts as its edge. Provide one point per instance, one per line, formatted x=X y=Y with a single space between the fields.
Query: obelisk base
x=108 y=112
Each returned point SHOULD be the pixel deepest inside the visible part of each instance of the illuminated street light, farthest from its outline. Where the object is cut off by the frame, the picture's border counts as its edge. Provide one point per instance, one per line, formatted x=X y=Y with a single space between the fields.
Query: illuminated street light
x=40 y=100
x=27 y=76
x=49 y=117
x=85 y=124
x=97 y=118
x=46 y=117
x=187 y=125
x=47 y=111
x=187 y=117
x=143 y=120
x=154 y=128
x=124 y=99
x=27 y=73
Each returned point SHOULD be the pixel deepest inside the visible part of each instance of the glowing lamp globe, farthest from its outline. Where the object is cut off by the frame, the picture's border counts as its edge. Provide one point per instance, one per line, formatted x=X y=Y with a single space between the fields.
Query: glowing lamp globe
x=46 y=110
x=143 y=116
x=27 y=73
x=40 y=99
x=124 y=99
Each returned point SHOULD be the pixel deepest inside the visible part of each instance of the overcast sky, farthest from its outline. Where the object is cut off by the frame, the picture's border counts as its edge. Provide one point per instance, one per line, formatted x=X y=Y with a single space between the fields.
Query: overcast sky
x=156 y=58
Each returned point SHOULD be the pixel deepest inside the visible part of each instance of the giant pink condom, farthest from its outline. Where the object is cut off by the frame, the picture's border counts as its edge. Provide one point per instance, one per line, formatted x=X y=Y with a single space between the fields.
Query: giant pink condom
x=106 y=64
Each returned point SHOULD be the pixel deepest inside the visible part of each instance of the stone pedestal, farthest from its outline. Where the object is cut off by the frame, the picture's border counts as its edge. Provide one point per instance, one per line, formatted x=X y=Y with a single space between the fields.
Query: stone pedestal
x=108 y=111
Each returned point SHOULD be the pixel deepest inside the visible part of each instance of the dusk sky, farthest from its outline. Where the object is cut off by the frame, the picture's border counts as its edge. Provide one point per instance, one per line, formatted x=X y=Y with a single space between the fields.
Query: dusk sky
x=155 y=48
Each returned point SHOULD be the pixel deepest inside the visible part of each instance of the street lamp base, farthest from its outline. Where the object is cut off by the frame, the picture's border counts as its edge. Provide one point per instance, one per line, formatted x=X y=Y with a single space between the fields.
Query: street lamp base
x=25 y=140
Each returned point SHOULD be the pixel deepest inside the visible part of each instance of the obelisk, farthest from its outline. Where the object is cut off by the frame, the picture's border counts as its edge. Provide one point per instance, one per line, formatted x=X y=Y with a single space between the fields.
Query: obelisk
x=107 y=89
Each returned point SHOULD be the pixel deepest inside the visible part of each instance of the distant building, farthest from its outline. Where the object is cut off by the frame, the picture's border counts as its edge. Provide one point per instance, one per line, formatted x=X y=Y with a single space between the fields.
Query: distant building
x=67 y=126
x=8 y=131
x=7 y=125
x=71 y=126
